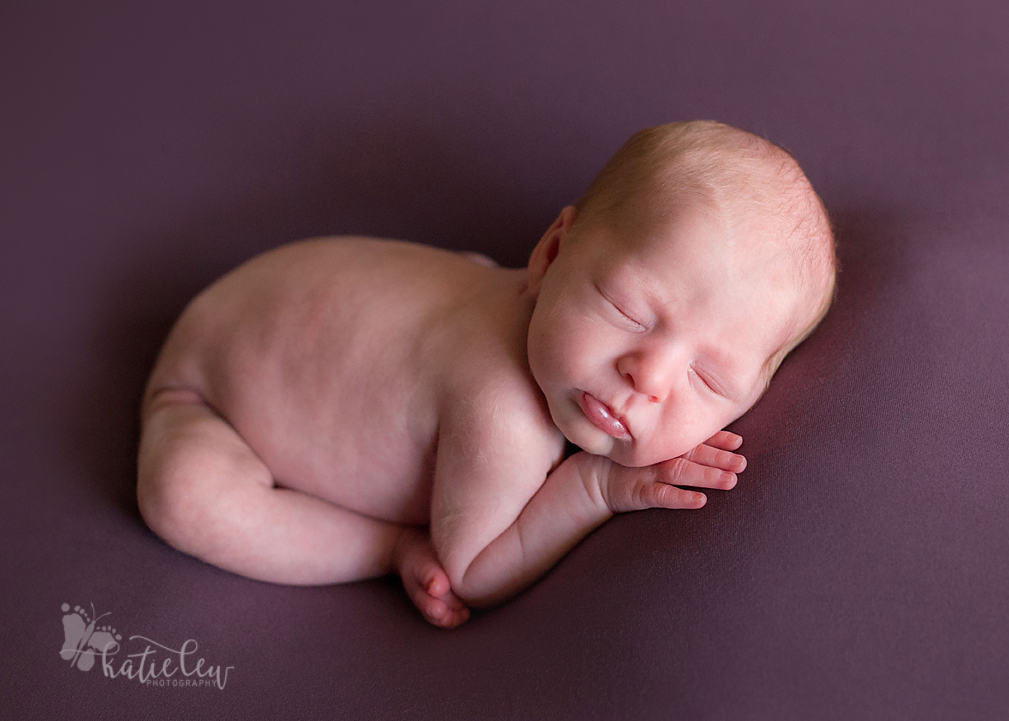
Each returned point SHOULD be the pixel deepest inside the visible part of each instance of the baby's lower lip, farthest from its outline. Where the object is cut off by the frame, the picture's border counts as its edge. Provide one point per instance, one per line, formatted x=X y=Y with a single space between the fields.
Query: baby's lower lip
x=602 y=416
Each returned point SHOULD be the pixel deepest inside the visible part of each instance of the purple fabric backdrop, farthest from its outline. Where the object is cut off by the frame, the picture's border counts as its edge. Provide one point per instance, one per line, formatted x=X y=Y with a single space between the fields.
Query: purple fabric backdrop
x=858 y=571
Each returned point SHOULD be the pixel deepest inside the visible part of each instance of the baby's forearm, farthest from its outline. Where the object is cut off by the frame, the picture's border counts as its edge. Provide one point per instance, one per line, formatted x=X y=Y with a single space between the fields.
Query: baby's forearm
x=566 y=508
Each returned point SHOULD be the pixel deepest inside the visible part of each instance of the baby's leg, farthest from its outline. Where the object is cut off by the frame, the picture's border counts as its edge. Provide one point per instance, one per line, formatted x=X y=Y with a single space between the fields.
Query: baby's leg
x=204 y=490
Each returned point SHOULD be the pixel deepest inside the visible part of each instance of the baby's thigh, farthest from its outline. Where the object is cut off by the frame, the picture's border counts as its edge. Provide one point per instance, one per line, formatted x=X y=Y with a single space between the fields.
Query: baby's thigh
x=193 y=469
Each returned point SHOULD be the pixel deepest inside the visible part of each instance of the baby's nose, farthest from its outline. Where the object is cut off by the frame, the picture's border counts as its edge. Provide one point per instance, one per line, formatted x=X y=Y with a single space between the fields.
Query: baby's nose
x=648 y=373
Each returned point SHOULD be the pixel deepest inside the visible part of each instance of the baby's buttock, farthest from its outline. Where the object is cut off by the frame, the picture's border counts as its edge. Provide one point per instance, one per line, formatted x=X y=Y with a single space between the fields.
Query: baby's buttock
x=327 y=402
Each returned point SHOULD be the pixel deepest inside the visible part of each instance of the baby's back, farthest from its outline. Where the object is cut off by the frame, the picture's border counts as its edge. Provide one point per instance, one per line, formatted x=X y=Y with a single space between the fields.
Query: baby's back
x=328 y=357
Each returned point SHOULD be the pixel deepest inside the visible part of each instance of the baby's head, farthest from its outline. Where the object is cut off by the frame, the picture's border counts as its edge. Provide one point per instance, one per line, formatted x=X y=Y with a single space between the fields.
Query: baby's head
x=667 y=297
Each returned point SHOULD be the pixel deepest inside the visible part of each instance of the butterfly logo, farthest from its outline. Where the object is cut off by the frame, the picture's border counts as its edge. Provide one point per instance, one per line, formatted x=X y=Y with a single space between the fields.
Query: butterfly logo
x=80 y=639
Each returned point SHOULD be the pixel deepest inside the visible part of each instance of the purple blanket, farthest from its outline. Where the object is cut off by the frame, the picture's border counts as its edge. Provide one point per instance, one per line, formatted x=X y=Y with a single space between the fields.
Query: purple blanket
x=858 y=571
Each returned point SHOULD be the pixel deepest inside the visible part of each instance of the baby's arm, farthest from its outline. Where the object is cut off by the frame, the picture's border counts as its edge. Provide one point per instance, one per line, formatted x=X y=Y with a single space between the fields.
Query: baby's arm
x=504 y=527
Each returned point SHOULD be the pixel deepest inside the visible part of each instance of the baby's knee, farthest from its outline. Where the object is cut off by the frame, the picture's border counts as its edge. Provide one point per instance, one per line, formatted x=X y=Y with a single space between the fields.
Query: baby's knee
x=169 y=493
x=183 y=470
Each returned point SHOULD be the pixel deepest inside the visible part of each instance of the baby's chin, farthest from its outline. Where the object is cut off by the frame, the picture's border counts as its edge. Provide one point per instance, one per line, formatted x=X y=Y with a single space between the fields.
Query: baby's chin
x=590 y=444
x=638 y=454
x=600 y=444
x=635 y=459
x=590 y=439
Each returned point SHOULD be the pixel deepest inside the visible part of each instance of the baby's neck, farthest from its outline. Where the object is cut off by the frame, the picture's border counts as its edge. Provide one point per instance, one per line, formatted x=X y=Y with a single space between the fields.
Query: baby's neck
x=507 y=300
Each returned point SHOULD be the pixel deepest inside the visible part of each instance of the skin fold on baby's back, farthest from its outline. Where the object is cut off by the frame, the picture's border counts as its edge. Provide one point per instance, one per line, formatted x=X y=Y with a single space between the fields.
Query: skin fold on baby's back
x=329 y=357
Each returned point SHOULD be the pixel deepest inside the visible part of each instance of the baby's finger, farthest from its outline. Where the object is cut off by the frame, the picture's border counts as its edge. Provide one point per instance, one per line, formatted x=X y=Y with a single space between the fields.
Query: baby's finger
x=666 y=496
x=683 y=472
x=725 y=440
x=707 y=456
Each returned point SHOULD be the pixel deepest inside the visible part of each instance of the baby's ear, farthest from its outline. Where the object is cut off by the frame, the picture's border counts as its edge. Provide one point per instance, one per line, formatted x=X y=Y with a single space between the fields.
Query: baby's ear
x=547 y=249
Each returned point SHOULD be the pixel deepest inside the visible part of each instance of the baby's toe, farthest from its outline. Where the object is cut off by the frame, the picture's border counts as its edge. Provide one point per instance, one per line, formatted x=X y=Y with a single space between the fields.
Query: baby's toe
x=448 y=617
x=435 y=611
x=436 y=582
x=445 y=612
x=456 y=612
x=453 y=602
x=440 y=587
x=455 y=617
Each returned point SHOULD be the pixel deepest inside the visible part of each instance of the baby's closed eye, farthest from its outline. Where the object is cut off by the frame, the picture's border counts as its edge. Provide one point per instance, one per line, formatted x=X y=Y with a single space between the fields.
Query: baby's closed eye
x=707 y=381
x=625 y=316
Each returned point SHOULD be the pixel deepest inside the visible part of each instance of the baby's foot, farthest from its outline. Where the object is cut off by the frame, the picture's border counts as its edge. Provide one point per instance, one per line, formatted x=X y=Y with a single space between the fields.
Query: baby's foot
x=426 y=582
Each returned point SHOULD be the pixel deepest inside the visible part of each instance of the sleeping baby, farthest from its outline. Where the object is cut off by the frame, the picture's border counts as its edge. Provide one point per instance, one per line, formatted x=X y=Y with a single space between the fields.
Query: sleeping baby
x=343 y=408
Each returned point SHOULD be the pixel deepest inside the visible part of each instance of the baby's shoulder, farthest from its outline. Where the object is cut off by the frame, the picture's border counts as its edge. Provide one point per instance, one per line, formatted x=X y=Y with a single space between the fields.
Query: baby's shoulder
x=341 y=259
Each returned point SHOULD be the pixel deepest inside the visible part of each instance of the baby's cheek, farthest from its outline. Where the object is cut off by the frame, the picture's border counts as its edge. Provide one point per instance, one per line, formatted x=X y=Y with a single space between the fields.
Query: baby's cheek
x=681 y=432
x=551 y=355
x=581 y=348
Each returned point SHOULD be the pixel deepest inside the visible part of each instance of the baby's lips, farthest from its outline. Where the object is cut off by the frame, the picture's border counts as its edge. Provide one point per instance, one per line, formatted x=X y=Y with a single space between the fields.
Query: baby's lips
x=602 y=417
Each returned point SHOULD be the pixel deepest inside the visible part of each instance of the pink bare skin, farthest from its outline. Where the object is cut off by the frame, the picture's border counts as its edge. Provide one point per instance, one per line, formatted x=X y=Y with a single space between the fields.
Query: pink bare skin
x=426 y=582
x=344 y=408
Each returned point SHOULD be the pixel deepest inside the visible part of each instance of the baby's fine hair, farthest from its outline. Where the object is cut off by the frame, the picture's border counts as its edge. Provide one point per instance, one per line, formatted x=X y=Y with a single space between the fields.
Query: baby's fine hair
x=737 y=176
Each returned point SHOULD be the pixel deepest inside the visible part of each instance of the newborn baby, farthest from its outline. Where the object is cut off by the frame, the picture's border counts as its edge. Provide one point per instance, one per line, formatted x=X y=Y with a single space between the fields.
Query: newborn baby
x=343 y=408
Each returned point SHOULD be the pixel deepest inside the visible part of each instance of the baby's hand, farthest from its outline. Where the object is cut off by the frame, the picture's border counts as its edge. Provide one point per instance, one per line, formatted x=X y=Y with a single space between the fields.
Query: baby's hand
x=710 y=465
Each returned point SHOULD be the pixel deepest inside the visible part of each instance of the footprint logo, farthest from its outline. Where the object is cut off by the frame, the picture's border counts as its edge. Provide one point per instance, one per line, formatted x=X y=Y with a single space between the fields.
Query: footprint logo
x=81 y=640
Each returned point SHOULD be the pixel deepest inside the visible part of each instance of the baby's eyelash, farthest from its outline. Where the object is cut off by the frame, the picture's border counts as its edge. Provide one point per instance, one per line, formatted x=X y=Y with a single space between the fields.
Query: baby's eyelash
x=621 y=311
x=708 y=383
x=624 y=314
